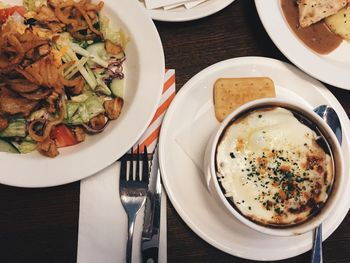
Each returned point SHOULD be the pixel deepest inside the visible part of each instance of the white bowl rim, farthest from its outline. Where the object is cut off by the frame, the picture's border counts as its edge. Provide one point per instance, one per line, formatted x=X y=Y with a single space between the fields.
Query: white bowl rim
x=283 y=231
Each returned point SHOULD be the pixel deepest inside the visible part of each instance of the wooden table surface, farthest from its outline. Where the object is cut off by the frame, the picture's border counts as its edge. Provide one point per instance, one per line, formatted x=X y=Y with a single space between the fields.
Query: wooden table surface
x=41 y=225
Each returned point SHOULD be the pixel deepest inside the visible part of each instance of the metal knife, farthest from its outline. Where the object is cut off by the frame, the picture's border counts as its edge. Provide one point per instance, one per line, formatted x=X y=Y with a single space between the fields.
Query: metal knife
x=151 y=225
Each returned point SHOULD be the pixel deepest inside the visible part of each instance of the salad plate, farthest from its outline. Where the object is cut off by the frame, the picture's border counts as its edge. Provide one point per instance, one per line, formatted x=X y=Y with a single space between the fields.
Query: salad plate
x=181 y=14
x=333 y=68
x=144 y=74
x=192 y=112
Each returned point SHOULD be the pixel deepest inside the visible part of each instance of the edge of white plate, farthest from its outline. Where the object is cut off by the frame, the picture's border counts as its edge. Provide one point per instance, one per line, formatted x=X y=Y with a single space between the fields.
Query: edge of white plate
x=162 y=151
x=308 y=61
x=190 y=14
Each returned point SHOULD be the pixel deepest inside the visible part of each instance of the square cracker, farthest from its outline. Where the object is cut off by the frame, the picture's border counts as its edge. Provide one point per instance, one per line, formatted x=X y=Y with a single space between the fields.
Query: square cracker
x=230 y=93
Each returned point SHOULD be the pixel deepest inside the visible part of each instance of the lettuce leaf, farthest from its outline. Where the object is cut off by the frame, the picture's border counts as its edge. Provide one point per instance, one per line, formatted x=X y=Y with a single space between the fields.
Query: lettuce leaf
x=26 y=147
x=117 y=37
x=79 y=112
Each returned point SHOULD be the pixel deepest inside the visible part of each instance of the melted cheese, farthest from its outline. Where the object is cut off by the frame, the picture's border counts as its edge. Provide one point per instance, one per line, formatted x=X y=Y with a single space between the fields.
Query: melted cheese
x=272 y=168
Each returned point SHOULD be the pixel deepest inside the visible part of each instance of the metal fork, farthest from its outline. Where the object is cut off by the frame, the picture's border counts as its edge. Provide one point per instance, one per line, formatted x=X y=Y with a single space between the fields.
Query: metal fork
x=133 y=190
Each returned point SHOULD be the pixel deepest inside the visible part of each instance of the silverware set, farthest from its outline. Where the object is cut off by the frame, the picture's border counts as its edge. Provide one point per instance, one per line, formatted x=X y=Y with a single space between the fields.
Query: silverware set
x=140 y=185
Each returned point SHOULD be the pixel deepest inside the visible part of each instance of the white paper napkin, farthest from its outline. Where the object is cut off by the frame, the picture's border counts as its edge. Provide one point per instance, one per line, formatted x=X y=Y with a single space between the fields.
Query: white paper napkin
x=103 y=222
x=102 y=219
x=194 y=139
x=168 y=7
x=194 y=3
x=170 y=4
x=152 y=4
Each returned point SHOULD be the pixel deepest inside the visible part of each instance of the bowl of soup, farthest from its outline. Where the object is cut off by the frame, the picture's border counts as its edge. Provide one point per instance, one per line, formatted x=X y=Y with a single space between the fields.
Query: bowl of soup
x=276 y=166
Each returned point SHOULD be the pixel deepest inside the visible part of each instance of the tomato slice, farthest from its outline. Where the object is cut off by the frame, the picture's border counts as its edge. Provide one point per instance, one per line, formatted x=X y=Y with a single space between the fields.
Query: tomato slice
x=63 y=136
x=5 y=13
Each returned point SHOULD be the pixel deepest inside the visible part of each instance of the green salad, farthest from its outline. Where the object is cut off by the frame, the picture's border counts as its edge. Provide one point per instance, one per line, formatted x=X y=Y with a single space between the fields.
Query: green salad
x=61 y=74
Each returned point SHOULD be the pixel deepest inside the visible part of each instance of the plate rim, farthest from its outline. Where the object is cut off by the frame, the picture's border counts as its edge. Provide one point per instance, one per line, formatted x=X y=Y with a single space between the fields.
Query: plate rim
x=77 y=174
x=162 y=148
x=187 y=15
x=305 y=59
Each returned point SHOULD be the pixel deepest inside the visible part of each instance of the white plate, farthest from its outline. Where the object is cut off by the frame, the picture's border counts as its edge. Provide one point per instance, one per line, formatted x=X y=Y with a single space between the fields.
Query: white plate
x=186 y=186
x=182 y=14
x=144 y=82
x=333 y=68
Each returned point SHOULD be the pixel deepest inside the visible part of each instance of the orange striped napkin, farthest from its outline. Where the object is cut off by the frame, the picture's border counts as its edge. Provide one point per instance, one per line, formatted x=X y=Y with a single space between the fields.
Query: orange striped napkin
x=150 y=136
x=102 y=220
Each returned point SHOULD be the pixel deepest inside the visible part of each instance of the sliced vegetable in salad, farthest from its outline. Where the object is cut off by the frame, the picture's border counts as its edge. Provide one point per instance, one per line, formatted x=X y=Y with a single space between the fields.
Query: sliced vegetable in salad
x=6 y=12
x=61 y=74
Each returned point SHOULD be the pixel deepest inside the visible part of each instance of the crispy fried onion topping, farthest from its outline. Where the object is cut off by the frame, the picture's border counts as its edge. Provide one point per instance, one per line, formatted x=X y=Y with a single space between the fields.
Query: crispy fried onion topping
x=80 y=17
x=46 y=17
x=45 y=73
x=16 y=48
x=40 y=129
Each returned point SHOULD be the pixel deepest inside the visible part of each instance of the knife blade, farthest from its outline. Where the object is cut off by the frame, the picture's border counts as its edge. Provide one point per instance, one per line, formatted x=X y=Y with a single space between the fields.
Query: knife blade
x=151 y=225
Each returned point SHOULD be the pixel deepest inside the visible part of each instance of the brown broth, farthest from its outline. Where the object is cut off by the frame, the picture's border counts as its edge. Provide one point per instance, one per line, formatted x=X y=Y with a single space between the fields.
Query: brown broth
x=318 y=37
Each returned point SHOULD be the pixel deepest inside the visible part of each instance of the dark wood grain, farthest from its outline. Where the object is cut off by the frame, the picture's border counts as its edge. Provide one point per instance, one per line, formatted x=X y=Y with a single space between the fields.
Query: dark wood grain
x=41 y=225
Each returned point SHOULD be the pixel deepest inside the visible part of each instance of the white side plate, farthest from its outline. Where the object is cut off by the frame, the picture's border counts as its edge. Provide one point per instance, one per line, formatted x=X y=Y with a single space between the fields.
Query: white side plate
x=185 y=184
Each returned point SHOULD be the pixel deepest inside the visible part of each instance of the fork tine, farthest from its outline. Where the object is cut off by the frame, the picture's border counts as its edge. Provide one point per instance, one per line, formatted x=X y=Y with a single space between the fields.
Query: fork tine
x=133 y=193
x=145 y=167
x=123 y=164
x=131 y=167
x=138 y=163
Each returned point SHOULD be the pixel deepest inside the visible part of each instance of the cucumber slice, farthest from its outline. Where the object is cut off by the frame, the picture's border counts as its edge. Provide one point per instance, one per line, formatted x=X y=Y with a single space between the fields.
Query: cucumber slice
x=95 y=52
x=117 y=87
x=7 y=147
x=99 y=52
